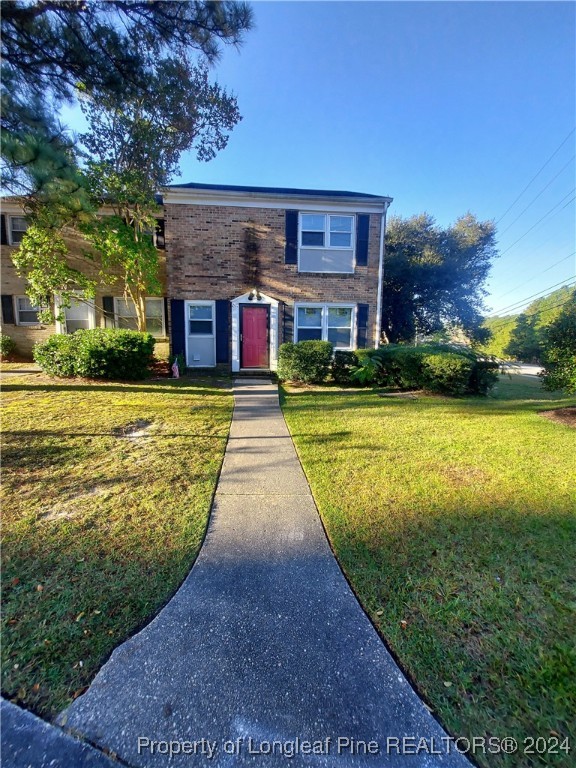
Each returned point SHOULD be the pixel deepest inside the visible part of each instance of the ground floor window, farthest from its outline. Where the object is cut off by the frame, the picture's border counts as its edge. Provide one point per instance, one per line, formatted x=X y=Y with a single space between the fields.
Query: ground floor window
x=26 y=312
x=78 y=316
x=325 y=322
x=125 y=315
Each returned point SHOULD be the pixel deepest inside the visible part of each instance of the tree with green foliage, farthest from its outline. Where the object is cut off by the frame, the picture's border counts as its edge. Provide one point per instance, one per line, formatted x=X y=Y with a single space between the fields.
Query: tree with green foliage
x=145 y=101
x=524 y=342
x=51 y=51
x=559 y=345
x=434 y=276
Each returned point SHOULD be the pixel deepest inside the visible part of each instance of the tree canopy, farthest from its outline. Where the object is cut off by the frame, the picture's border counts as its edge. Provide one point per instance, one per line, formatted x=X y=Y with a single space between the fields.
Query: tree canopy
x=521 y=336
x=434 y=276
x=559 y=349
x=52 y=51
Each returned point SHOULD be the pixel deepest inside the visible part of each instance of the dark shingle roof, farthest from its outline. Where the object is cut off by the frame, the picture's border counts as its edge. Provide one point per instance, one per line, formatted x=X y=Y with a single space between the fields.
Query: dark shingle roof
x=273 y=190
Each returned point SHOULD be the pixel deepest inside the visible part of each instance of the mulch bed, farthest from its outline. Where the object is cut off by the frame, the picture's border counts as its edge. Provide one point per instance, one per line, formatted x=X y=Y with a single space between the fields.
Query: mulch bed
x=565 y=416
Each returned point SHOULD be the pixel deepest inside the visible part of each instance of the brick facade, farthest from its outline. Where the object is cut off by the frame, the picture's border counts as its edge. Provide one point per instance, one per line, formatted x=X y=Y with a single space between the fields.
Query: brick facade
x=208 y=258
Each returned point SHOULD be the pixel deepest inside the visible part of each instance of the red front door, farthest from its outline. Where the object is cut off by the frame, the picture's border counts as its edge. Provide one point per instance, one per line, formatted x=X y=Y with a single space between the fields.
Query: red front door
x=254 y=336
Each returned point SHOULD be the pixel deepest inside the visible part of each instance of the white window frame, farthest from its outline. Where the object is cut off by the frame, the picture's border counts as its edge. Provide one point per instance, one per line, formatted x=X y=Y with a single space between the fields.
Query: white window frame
x=61 y=325
x=10 y=230
x=17 y=311
x=325 y=307
x=188 y=335
x=327 y=246
x=147 y=298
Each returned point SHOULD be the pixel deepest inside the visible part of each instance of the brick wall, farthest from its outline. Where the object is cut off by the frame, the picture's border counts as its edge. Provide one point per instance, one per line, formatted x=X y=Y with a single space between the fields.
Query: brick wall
x=207 y=259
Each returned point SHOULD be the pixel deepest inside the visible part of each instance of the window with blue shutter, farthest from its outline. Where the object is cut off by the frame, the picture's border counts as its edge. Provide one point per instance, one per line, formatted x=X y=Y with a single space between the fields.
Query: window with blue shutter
x=288 y=323
x=177 y=333
x=7 y=309
x=362 y=233
x=222 y=330
x=291 y=250
x=361 y=326
x=108 y=307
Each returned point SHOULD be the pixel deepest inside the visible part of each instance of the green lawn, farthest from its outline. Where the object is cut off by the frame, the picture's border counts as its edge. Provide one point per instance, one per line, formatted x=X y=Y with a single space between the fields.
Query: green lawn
x=454 y=520
x=100 y=525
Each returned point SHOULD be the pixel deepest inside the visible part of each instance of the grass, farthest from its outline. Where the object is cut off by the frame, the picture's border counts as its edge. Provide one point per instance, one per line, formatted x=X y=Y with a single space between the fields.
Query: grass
x=106 y=495
x=454 y=520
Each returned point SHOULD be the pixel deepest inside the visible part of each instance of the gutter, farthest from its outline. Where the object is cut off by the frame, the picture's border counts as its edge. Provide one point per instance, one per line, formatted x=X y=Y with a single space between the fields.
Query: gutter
x=380 y=276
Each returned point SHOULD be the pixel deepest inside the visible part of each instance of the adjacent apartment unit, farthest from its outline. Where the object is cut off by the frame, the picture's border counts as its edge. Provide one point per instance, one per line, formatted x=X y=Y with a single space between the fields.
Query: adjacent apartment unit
x=244 y=270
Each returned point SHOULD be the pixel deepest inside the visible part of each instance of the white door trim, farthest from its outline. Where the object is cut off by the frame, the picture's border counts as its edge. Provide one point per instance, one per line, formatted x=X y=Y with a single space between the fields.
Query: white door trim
x=259 y=299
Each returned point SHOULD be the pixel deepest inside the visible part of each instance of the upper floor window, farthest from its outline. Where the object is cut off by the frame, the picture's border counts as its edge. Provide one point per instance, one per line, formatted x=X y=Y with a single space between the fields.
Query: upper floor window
x=326 y=243
x=126 y=317
x=26 y=313
x=18 y=225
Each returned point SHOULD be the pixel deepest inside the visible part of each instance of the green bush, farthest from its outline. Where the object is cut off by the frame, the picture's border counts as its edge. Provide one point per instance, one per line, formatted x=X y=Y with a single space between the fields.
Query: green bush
x=435 y=367
x=343 y=364
x=306 y=361
x=101 y=353
x=446 y=372
x=7 y=345
x=560 y=350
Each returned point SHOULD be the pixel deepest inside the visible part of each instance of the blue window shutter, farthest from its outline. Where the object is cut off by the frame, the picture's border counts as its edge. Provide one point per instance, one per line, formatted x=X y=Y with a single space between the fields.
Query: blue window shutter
x=108 y=307
x=362 y=229
x=7 y=309
x=361 y=326
x=288 y=323
x=177 y=335
x=4 y=232
x=222 y=330
x=291 y=252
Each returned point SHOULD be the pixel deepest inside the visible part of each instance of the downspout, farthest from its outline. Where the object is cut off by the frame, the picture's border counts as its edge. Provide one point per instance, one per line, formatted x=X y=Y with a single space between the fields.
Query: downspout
x=380 y=277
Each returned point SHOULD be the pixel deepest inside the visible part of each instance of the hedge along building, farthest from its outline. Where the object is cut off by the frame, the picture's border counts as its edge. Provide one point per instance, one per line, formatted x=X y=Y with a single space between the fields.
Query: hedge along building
x=109 y=309
x=251 y=267
x=246 y=268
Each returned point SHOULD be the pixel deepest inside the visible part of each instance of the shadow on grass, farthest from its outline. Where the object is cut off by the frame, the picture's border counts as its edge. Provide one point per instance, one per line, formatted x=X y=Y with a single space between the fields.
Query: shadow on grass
x=179 y=386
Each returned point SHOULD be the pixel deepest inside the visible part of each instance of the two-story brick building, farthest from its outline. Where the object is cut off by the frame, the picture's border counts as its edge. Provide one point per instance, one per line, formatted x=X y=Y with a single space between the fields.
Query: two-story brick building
x=251 y=267
x=245 y=269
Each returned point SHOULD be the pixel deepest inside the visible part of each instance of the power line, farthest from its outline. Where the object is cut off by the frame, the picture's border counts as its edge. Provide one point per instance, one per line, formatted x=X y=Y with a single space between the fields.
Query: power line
x=514 y=318
x=523 y=301
x=540 y=220
x=536 y=176
x=543 y=271
x=523 y=211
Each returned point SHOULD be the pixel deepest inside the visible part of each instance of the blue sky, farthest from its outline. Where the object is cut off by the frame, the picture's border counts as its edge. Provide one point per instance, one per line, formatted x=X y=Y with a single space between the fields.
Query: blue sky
x=447 y=107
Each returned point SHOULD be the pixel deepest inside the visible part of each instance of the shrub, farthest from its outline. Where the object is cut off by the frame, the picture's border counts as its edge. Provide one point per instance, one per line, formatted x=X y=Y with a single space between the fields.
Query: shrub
x=7 y=345
x=446 y=372
x=435 y=367
x=306 y=361
x=343 y=365
x=100 y=353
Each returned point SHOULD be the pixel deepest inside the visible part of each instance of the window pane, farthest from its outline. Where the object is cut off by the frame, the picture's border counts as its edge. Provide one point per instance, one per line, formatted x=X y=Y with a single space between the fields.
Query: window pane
x=309 y=317
x=24 y=303
x=201 y=312
x=313 y=221
x=77 y=310
x=128 y=323
x=340 y=337
x=125 y=308
x=201 y=327
x=340 y=223
x=76 y=325
x=340 y=240
x=313 y=238
x=309 y=334
x=18 y=226
x=339 y=317
x=154 y=325
x=28 y=317
x=153 y=308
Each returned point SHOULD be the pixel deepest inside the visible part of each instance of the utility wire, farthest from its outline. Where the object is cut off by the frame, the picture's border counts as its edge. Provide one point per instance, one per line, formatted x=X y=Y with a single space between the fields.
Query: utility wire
x=508 y=320
x=523 y=211
x=538 y=274
x=523 y=301
x=536 y=176
x=540 y=220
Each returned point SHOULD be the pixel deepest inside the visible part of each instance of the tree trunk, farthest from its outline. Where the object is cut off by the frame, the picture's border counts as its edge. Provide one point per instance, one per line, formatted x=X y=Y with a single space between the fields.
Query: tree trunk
x=141 y=311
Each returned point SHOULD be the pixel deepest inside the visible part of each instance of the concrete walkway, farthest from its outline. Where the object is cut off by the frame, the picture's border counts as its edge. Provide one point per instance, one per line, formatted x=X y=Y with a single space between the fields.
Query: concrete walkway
x=264 y=648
